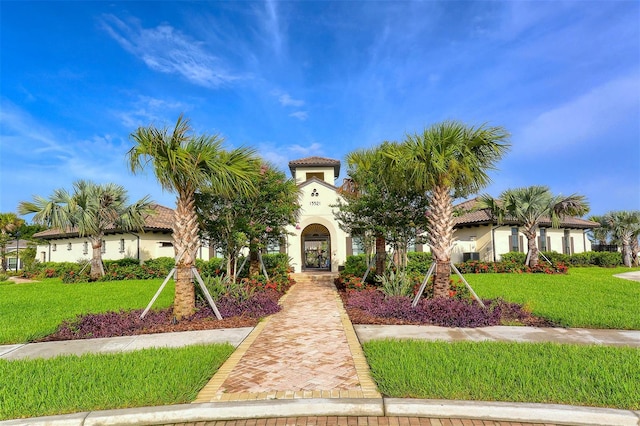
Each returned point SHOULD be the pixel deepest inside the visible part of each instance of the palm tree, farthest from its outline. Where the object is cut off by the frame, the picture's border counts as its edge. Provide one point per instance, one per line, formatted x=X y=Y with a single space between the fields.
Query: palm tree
x=625 y=227
x=600 y=235
x=184 y=164
x=9 y=223
x=90 y=210
x=449 y=159
x=531 y=205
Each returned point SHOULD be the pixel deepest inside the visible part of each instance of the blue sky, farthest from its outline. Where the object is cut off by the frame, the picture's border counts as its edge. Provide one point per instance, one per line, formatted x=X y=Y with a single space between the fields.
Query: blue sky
x=295 y=79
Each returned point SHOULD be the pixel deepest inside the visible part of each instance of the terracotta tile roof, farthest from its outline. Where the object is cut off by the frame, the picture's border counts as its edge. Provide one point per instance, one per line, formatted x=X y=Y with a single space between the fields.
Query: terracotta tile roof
x=468 y=216
x=315 y=162
x=160 y=221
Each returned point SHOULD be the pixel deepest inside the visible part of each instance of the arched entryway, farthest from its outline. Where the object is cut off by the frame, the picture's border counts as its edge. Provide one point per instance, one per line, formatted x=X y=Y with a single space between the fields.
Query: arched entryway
x=316 y=248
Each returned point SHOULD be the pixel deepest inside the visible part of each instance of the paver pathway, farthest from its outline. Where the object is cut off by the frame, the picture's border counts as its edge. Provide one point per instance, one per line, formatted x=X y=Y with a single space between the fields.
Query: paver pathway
x=307 y=350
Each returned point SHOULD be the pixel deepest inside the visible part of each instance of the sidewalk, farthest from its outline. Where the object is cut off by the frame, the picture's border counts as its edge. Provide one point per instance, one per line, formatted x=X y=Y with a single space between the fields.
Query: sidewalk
x=304 y=365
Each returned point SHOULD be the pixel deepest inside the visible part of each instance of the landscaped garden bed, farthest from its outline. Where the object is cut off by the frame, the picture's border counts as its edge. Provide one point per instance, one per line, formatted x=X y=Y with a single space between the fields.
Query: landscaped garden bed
x=544 y=297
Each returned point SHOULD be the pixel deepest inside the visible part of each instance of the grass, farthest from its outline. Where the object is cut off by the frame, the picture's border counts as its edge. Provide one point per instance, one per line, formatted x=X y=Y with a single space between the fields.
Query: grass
x=585 y=297
x=33 y=310
x=598 y=376
x=69 y=384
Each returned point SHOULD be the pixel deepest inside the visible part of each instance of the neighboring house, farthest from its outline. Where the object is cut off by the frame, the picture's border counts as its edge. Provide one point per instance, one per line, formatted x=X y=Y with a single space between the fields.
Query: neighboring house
x=155 y=241
x=478 y=235
x=12 y=254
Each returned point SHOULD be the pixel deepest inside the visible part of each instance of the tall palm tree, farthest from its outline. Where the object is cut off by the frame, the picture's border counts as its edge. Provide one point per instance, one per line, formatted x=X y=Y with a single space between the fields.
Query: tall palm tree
x=90 y=210
x=9 y=223
x=530 y=206
x=625 y=226
x=449 y=159
x=183 y=164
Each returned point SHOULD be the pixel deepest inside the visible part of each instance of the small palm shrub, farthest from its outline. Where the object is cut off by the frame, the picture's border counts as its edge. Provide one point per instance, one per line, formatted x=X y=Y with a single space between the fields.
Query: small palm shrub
x=3 y=277
x=222 y=285
x=395 y=283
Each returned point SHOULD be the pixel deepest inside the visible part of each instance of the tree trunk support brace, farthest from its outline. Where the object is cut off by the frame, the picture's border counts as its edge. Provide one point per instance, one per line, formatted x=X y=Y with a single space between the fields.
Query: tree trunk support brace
x=194 y=271
x=426 y=279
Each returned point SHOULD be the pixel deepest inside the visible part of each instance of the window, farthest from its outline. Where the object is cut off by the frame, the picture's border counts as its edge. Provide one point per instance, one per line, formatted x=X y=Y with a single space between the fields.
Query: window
x=273 y=247
x=514 y=246
x=166 y=244
x=318 y=175
x=54 y=247
x=567 y=242
x=69 y=246
x=357 y=245
x=121 y=245
x=103 y=248
x=543 y=239
x=85 y=247
x=43 y=256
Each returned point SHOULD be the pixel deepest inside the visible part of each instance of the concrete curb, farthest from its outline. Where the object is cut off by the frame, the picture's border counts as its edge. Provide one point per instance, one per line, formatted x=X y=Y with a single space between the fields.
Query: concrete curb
x=357 y=407
x=511 y=412
x=211 y=411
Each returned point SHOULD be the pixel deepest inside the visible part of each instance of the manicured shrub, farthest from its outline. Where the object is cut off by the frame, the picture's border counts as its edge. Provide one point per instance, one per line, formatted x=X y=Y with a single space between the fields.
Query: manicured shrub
x=608 y=259
x=556 y=257
x=355 y=265
x=419 y=262
x=514 y=257
x=211 y=267
x=478 y=267
x=127 y=261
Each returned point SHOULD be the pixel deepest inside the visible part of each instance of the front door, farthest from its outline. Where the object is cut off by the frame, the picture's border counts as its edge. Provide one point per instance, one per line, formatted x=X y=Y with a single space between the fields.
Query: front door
x=316 y=248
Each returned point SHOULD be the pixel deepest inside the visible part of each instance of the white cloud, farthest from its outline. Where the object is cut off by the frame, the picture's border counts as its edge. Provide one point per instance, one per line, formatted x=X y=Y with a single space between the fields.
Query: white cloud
x=44 y=158
x=300 y=115
x=313 y=149
x=286 y=100
x=586 y=117
x=146 y=110
x=272 y=24
x=169 y=51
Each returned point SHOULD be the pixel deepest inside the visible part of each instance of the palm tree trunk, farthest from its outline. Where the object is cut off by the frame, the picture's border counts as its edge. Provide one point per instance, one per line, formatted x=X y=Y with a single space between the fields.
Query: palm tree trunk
x=185 y=237
x=532 y=247
x=626 y=251
x=97 y=269
x=440 y=229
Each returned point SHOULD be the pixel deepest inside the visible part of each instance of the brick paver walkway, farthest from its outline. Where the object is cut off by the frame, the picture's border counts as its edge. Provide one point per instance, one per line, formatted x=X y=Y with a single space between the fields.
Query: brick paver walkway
x=307 y=350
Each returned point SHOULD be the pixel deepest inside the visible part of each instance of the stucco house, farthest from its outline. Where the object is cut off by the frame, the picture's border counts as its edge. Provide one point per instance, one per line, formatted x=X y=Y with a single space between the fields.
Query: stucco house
x=316 y=242
x=155 y=241
x=478 y=235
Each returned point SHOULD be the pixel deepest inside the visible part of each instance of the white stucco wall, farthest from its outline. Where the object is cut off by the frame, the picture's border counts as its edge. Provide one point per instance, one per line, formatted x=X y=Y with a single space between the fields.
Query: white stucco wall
x=482 y=240
x=328 y=171
x=116 y=246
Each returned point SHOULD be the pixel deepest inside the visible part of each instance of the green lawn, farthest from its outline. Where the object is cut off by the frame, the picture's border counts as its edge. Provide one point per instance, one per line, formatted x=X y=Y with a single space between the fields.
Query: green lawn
x=33 y=310
x=585 y=297
x=518 y=372
x=68 y=384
